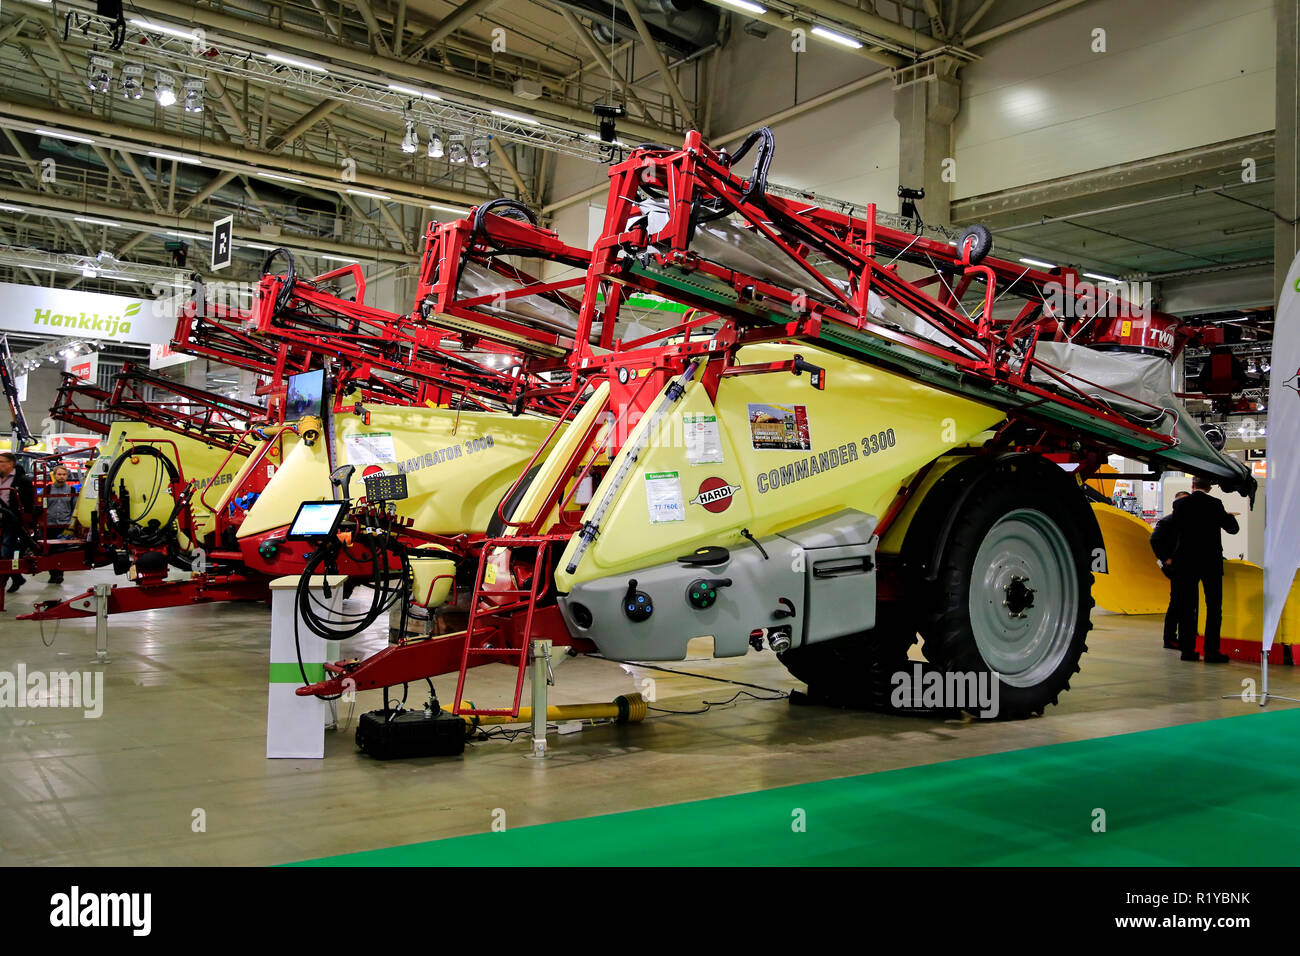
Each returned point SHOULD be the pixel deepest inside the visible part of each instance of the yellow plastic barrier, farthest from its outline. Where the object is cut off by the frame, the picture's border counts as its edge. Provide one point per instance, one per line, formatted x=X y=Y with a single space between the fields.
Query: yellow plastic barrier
x=1135 y=584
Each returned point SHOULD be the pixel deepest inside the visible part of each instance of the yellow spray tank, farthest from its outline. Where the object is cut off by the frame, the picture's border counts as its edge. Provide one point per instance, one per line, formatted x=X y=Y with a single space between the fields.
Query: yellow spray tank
x=142 y=450
x=772 y=454
x=752 y=519
x=458 y=467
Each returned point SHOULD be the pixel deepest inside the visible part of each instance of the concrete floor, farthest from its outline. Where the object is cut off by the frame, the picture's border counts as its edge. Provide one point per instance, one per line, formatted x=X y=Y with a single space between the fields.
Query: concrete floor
x=185 y=714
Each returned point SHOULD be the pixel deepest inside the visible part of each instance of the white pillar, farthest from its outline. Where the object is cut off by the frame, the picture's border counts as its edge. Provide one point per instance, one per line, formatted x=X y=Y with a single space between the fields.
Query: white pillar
x=295 y=726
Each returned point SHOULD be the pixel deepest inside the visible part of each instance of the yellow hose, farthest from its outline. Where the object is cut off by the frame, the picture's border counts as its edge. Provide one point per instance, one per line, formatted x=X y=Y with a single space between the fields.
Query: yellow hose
x=627 y=708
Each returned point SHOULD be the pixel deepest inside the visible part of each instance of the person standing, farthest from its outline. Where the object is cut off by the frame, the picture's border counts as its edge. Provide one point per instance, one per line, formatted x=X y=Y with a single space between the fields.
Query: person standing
x=60 y=502
x=1164 y=539
x=19 y=502
x=1197 y=563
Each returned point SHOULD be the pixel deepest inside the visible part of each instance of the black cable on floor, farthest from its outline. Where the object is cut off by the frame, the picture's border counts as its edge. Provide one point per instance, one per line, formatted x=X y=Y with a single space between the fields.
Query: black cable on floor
x=710 y=704
x=669 y=670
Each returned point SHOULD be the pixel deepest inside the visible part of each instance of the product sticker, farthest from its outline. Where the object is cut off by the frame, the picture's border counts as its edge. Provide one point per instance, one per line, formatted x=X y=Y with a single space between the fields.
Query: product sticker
x=703 y=444
x=490 y=574
x=370 y=448
x=663 y=494
x=779 y=427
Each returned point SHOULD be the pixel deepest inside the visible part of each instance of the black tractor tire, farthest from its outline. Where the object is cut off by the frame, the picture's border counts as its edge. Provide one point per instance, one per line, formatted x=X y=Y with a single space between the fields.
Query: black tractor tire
x=855 y=670
x=1011 y=591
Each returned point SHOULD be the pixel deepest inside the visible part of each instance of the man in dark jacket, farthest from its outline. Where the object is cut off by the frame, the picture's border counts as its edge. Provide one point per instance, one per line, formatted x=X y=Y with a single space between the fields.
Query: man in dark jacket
x=17 y=504
x=1198 y=563
x=1164 y=540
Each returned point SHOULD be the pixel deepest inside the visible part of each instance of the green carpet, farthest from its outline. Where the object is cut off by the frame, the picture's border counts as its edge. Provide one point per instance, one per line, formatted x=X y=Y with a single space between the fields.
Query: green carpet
x=1219 y=793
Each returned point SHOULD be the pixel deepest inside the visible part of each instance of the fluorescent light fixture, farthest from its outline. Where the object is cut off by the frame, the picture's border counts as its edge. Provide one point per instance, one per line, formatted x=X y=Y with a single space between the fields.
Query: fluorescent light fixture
x=1038 y=262
x=175 y=157
x=515 y=117
x=459 y=212
x=283 y=179
x=410 y=91
x=192 y=236
x=55 y=134
x=322 y=255
x=159 y=28
x=745 y=5
x=98 y=222
x=367 y=194
x=8 y=208
x=300 y=64
x=833 y=37
x=89 y=272
x=260 y=245
x=1100 y=278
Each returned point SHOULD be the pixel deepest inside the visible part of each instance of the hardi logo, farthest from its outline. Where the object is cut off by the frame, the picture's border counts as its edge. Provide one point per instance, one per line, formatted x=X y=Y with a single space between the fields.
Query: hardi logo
x=1293 y=382
x=715 y=494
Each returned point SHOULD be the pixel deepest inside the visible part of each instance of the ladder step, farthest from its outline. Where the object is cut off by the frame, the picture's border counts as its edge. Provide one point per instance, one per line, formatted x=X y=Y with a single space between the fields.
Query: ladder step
x=496 y=651
x=499 y=609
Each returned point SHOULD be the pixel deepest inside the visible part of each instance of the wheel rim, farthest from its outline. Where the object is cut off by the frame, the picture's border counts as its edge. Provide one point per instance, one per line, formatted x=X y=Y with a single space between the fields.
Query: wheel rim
x=1024 y=597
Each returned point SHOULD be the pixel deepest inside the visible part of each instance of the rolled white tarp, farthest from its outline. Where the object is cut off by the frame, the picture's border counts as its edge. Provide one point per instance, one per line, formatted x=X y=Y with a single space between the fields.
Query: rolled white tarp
x=1282 y=489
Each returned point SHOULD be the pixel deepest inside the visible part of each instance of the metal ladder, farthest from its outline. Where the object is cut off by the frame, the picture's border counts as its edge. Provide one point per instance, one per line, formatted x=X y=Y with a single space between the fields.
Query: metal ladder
x=481 y=629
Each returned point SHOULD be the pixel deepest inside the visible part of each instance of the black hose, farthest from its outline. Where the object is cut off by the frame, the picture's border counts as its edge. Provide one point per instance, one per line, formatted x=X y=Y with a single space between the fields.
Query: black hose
x=762 y=161
x=290 y=276
x=507 y=206
x=132 y=532
x=385 y=595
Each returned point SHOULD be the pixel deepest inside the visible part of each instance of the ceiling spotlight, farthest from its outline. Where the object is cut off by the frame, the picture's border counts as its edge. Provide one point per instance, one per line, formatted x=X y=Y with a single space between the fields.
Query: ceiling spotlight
x=609 y=116
x=456 y=152
x=478 y=152
x=133 y=81
x=164 y=89
x=435 y=144
x=410 y=142
x=193 y=94
x=99 y=74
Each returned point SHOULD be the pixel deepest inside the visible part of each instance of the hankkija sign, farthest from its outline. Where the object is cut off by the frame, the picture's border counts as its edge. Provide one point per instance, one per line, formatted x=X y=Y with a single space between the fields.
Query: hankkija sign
x=89 y=315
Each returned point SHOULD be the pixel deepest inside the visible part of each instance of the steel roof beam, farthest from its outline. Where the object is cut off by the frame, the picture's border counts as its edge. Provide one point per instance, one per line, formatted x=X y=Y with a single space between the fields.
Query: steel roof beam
x=64 y=208
x=224 y=155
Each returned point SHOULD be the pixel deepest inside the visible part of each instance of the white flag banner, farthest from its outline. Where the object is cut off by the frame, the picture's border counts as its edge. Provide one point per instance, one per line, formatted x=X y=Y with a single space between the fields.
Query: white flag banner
x=1282 y=488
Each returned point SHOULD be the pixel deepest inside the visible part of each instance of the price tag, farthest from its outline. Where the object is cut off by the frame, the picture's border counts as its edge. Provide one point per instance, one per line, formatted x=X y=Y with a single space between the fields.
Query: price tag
x=663 y=494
